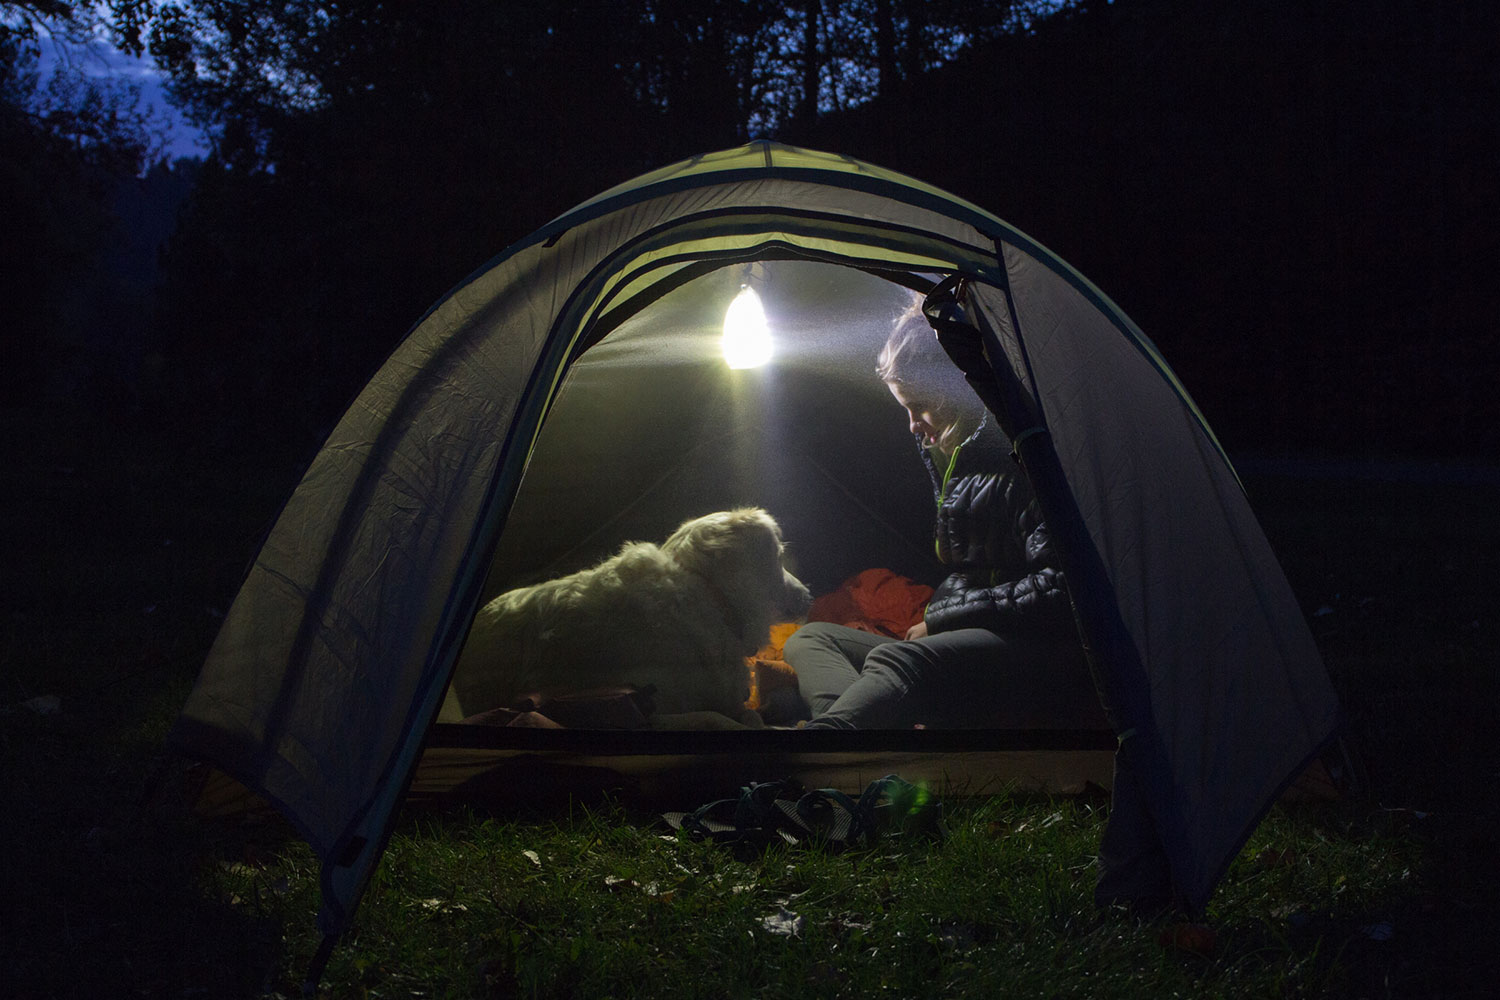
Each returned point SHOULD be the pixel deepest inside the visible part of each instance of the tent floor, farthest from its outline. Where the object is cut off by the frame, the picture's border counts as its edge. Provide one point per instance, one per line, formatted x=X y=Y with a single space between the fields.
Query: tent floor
x=504 y=768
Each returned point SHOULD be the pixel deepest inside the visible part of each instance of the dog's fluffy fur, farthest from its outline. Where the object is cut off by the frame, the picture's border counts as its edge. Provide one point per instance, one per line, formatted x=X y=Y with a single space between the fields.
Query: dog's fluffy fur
x=680 y=617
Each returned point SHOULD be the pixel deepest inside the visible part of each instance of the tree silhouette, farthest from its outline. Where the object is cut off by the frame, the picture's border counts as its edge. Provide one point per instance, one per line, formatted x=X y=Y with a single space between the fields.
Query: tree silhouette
x=69 y=143
x=367 y=155
x=1297 y=202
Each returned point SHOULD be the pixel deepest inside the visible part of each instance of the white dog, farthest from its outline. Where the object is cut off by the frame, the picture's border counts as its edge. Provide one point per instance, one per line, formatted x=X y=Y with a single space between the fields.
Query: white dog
x=680 y=617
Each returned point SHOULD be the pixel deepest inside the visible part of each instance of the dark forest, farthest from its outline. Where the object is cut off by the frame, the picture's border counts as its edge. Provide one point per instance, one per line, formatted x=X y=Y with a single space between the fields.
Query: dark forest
x=1296 y=201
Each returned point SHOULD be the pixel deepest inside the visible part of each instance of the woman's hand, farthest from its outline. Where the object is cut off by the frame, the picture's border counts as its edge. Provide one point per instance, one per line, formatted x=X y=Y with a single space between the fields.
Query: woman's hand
x=917 y=631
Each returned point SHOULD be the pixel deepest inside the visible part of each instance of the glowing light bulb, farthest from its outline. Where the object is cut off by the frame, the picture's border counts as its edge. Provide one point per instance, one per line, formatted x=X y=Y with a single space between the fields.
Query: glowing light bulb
x=747 y=336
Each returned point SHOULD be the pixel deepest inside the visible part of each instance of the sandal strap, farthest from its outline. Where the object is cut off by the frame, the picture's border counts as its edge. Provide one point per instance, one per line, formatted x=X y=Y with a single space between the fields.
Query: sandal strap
x=782 y=809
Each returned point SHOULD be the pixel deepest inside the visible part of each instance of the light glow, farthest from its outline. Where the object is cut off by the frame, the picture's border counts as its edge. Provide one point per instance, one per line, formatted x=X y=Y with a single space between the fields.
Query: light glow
x=747 y=335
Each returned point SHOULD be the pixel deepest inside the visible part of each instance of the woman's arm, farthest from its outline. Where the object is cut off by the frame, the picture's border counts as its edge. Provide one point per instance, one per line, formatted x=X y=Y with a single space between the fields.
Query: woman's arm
x=1010 y=582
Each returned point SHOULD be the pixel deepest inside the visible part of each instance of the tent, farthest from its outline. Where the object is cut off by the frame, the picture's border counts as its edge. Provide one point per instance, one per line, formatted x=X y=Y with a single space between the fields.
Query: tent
x=565 y=396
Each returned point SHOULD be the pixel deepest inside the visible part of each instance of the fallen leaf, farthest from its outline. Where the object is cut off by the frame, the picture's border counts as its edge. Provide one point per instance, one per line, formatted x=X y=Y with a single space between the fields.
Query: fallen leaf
x=534 y=857
x=441 y=906
x=1276 y=858
x=957 y=935
x=783 y=922
x=850 y=923
x=1196 y=938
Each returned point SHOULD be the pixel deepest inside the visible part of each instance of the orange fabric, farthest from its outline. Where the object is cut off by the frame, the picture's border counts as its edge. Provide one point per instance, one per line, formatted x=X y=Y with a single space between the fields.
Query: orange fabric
x=768 y=671
x=779 y=635
x=767 y=676
x=875 y=600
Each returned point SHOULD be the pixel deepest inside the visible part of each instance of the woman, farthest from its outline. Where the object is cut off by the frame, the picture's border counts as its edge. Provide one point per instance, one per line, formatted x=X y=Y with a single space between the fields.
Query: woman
x=997 y=645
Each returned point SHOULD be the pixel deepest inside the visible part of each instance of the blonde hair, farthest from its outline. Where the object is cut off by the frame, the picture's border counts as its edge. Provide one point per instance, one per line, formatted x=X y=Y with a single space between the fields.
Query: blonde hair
x=913 y=359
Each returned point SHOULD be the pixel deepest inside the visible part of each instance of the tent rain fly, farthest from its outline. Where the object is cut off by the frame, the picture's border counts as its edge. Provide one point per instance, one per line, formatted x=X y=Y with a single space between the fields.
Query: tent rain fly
x=566 y=393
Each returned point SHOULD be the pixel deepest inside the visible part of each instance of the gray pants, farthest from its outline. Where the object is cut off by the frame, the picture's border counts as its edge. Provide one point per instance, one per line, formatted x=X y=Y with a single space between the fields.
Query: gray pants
x=967 y=678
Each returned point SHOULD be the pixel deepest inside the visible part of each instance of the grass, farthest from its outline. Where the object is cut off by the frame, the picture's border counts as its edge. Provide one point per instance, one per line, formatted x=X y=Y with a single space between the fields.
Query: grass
x=129 y=552
x=605 y=903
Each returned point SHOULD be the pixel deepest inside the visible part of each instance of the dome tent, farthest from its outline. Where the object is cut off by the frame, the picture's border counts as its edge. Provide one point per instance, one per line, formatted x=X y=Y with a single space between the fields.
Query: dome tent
x=432 y=492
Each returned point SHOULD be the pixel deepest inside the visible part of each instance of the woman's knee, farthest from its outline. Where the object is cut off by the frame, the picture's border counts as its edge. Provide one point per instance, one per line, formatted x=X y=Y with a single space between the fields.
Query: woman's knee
x=813 y=635
x=907 y=662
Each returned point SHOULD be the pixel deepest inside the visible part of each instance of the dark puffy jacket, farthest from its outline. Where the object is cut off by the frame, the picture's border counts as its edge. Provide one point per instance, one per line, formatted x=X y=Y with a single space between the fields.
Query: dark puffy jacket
x=990 y=533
